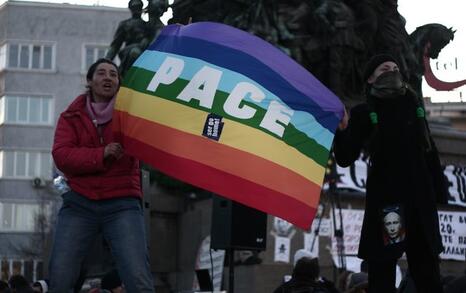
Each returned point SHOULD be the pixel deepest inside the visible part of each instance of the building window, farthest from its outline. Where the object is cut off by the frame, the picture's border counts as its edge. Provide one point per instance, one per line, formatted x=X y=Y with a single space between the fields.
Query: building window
x=30 y=110
x=2 y=57
x=92 y=53
x=23 y=217
x=30 y=56
x=26 y=165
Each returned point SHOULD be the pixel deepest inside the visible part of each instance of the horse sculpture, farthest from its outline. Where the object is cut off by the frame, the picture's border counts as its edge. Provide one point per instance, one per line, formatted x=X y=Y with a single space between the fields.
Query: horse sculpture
x=426 y=42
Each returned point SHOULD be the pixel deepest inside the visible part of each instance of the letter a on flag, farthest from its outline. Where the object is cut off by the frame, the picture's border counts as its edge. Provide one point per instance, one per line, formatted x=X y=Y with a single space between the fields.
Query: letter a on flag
x=223 y=110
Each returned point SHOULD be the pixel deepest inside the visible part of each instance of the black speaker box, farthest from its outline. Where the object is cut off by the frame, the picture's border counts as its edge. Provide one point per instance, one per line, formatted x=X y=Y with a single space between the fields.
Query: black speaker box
x=236 y=226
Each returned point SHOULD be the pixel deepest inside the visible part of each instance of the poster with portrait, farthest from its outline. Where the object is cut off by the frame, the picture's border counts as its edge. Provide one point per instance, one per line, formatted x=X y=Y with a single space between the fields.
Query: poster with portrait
x=452 y=226
x=393 y=224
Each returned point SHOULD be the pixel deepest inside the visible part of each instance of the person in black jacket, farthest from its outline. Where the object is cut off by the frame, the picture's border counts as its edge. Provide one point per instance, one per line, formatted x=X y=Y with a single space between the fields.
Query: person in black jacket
x=405 y=180
x=305 y=279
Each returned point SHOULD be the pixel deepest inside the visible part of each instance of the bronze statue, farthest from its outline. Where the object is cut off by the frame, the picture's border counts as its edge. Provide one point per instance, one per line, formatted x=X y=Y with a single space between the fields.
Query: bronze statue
x=333 y=39
x=128 y=41
x=134 y=35
x=392 y=37
x=339 y=69
x=155 y=9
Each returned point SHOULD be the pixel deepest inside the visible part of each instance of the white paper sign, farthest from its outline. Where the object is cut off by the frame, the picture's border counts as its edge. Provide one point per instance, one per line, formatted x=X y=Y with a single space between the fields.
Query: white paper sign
x=453 y=231
x=353 y=263
x=325 y=228
x=282 y=249
x=311 y=244
x=311 y=240
x=203 y=262
x=352 y=224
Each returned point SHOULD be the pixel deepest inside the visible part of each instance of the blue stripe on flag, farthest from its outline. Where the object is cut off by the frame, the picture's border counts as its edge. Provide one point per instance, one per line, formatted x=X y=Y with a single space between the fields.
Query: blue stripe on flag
x=242 y=63
x=303 y=121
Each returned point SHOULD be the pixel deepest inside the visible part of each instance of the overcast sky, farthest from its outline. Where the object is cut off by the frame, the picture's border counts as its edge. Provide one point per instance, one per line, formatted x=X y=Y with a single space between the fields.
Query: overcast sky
x=451 y=13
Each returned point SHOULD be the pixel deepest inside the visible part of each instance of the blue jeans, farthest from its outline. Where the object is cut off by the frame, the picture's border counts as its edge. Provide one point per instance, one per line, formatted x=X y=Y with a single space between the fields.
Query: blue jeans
x=122 y=223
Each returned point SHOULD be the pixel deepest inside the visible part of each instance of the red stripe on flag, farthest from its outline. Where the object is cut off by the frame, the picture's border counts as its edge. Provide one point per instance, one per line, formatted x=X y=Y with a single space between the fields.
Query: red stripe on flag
x=228 y=185
x=221 y=157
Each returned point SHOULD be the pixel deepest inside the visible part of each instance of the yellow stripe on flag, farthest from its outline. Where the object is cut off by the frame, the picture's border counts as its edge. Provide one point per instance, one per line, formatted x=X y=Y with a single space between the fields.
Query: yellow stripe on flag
x=234 y=134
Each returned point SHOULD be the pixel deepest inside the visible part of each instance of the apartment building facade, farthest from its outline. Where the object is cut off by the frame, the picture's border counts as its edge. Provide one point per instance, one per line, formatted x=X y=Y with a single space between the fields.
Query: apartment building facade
x=45 y=50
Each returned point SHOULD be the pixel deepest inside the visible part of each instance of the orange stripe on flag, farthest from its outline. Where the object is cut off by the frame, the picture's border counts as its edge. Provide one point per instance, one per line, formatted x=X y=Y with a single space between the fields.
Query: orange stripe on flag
x=221 y=157
x=225 y=184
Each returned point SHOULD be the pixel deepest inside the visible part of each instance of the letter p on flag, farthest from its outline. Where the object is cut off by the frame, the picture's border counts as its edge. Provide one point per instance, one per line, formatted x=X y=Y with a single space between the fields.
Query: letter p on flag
x=168 y=72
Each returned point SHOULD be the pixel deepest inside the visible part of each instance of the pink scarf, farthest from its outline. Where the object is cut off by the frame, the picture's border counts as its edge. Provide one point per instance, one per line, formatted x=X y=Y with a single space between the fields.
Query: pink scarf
x=100 y=113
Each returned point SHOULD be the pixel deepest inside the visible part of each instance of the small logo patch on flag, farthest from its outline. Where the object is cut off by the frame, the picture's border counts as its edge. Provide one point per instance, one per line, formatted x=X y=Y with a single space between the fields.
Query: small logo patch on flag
x=213 y=127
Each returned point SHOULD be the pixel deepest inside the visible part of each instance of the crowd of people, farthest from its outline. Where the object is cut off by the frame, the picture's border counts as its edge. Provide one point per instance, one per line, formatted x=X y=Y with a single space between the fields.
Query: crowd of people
x=19 y=284
x=109 y=283
x=306 y=278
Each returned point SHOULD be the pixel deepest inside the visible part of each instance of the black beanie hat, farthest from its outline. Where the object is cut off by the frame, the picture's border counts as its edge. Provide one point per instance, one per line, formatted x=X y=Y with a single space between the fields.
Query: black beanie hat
x=111 y=280
x=374 y=62
x=306 y=267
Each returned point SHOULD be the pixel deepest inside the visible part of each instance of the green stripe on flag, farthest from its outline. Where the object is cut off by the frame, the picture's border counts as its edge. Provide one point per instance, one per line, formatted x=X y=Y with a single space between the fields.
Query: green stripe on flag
x=292 y=136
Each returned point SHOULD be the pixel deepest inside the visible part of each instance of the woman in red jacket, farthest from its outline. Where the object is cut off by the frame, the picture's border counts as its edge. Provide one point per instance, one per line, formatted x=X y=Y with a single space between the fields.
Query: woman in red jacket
x=105 y=188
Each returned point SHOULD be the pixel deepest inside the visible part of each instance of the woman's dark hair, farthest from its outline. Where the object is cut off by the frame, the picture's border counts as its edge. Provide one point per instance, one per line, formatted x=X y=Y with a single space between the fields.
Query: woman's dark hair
x=93 y=67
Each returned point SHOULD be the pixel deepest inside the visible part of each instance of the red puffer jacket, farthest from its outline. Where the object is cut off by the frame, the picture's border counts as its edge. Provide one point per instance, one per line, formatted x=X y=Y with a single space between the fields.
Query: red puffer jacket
x=78 y=151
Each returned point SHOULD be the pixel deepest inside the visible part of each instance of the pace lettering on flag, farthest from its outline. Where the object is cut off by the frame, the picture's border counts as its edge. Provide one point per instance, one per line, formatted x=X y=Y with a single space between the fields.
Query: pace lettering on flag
x=226 y=111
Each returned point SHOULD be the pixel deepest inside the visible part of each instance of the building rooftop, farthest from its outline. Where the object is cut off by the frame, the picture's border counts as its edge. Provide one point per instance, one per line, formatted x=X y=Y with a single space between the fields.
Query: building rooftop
x=60 y=5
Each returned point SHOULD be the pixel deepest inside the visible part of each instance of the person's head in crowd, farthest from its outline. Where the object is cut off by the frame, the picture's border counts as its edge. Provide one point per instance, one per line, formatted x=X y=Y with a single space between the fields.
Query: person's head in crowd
x=300 y=253
x=19 y=284
x=111 y=282
x=103 y=80
x=306 y=268
x=383 y=78
x=377 y=65
x=4 y=288
x=357 y=283
x=40 y=286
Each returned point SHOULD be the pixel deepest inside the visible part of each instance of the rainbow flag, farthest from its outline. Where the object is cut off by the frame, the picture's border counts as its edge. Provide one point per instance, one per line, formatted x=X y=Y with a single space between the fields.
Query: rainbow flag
x=224 y=110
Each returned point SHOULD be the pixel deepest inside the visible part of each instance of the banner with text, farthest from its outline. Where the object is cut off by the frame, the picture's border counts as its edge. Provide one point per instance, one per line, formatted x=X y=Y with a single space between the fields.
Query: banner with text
x=452 y=229
x=352 y=224
x=354 y=178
